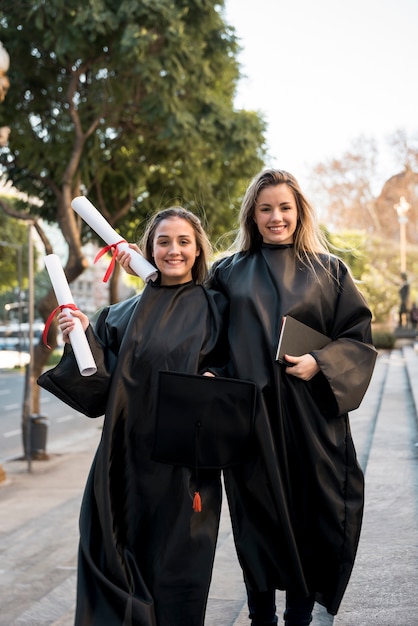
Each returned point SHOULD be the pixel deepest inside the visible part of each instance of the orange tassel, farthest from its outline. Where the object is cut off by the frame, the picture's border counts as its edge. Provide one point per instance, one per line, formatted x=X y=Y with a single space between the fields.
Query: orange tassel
x=197 y=502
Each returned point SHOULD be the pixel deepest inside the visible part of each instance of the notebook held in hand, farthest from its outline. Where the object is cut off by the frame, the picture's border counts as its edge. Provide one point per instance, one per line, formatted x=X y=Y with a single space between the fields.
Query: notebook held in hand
x=296 y=338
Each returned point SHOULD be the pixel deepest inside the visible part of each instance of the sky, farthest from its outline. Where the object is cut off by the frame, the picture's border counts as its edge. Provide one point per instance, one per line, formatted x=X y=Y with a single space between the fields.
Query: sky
x=325 y=72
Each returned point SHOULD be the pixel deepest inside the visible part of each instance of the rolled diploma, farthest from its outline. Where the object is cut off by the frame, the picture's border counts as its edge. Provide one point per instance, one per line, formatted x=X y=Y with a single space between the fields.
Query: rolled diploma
x=77 y=336
x=97 y=222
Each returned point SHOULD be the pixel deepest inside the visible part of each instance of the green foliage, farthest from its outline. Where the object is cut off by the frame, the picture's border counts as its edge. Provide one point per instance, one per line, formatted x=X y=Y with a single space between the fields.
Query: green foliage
x=351 y=247
x=383 y=339
x=13 y=252
x=55 y=357
x=9 y=294
x=374 y=263
x=131 y=103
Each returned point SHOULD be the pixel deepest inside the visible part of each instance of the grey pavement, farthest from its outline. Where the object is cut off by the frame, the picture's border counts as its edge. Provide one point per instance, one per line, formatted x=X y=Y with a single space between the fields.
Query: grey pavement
x=39 y=522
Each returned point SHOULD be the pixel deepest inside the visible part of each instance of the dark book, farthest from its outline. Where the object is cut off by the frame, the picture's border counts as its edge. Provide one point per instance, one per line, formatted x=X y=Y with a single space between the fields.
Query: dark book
x=296 y=338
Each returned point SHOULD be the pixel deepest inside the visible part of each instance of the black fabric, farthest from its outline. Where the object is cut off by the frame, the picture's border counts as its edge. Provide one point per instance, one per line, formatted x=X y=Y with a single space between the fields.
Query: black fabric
x=145 y=557
x=298 y=610
x=262 y=607
x=204 y=422
x=297 y=508
x=86 y=394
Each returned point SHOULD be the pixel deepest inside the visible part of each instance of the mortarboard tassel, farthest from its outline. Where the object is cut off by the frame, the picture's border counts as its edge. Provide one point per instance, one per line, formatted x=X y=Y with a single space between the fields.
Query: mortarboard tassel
x=197 y=500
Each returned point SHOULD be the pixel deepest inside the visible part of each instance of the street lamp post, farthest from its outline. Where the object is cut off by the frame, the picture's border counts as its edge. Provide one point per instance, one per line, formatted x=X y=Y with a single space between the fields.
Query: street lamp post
x=31 y=355
x=402 y=209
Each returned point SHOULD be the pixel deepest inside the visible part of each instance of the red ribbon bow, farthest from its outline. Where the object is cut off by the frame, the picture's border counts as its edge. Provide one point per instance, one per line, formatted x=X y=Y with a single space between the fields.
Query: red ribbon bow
x=114 y=247
x=51 y=317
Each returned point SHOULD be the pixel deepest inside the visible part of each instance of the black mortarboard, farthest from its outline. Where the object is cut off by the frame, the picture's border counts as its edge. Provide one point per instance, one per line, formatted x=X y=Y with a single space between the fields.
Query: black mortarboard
x=204 y=422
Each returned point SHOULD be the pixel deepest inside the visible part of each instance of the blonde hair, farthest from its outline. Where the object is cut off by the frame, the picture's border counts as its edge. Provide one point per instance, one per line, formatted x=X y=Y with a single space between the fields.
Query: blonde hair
x=200 y=267
x=309 y=242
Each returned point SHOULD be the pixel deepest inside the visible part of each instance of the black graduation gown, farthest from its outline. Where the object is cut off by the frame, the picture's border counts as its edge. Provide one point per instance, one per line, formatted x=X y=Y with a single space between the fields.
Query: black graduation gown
x=145 y=557
x=297 y=508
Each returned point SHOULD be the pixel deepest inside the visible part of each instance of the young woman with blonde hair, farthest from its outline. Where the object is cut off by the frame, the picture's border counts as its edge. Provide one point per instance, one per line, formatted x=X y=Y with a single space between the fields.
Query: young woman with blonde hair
x=296 y=509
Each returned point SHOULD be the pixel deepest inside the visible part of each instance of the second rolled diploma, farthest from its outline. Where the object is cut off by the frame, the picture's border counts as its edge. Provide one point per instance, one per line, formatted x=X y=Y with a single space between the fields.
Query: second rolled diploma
x=80 y=345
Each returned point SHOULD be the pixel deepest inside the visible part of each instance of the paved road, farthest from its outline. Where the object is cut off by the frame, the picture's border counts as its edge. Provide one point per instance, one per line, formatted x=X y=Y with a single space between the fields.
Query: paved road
x=39 y=513
x=63 y=423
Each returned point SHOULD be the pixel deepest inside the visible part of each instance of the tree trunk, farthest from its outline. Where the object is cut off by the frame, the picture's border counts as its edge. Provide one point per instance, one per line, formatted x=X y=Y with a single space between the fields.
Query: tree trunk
x=113 y=285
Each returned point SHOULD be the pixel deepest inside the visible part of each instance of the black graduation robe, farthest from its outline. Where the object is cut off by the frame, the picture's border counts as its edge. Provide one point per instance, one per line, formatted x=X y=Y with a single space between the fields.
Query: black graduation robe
x=296 y=509
x=145 y=557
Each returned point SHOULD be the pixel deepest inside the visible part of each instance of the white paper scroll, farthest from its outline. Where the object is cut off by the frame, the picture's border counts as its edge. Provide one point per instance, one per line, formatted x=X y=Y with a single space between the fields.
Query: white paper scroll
x=77 y=336
x=97 y=222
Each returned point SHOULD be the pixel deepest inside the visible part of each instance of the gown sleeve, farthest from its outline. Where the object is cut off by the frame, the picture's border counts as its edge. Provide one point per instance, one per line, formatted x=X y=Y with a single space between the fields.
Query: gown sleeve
x=348 y=361
x=86 y=394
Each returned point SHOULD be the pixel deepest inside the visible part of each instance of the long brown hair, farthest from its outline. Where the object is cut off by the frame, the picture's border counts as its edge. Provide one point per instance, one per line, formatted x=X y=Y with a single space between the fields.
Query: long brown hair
x=200 y=267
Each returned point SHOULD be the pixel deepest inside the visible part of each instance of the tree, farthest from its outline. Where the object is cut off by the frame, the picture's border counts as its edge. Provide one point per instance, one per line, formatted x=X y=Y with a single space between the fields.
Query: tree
x=344 y=187
x=13 y=253
x=405 y=184
x=405 y=147
x=375 y=269
x=130 y=103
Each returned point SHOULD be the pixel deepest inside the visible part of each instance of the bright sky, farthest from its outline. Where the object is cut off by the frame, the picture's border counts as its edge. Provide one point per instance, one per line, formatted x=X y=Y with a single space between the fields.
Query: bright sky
x=324 y=72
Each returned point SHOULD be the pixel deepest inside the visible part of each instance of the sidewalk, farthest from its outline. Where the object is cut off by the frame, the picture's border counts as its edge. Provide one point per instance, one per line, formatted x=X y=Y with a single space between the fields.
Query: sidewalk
x=383 y=587
x=39 y=523
x=39 y=536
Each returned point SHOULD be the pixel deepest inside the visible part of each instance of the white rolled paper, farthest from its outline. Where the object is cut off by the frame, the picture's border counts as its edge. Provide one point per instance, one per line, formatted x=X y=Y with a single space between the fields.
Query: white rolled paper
x=77 y=336
x=97 y=222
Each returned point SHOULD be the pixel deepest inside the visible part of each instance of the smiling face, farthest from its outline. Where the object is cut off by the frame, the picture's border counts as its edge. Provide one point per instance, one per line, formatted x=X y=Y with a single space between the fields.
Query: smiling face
x=174 y=250
x=276 y=214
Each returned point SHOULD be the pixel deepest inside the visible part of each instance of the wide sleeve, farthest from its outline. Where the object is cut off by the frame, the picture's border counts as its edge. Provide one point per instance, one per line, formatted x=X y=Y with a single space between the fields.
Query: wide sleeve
x=347 y=362
x=86 y=394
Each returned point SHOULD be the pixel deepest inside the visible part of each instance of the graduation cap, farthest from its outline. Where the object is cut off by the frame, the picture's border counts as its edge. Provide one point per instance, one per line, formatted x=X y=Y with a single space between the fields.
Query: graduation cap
x=203 y=422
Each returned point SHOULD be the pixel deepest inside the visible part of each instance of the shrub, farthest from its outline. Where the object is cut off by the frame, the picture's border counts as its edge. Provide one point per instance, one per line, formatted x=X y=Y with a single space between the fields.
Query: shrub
x=383 y=339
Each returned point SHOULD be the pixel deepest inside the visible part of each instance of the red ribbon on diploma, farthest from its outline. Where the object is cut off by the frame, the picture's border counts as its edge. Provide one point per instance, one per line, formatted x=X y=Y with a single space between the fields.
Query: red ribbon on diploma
x=51 y=317
x=114 y=247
